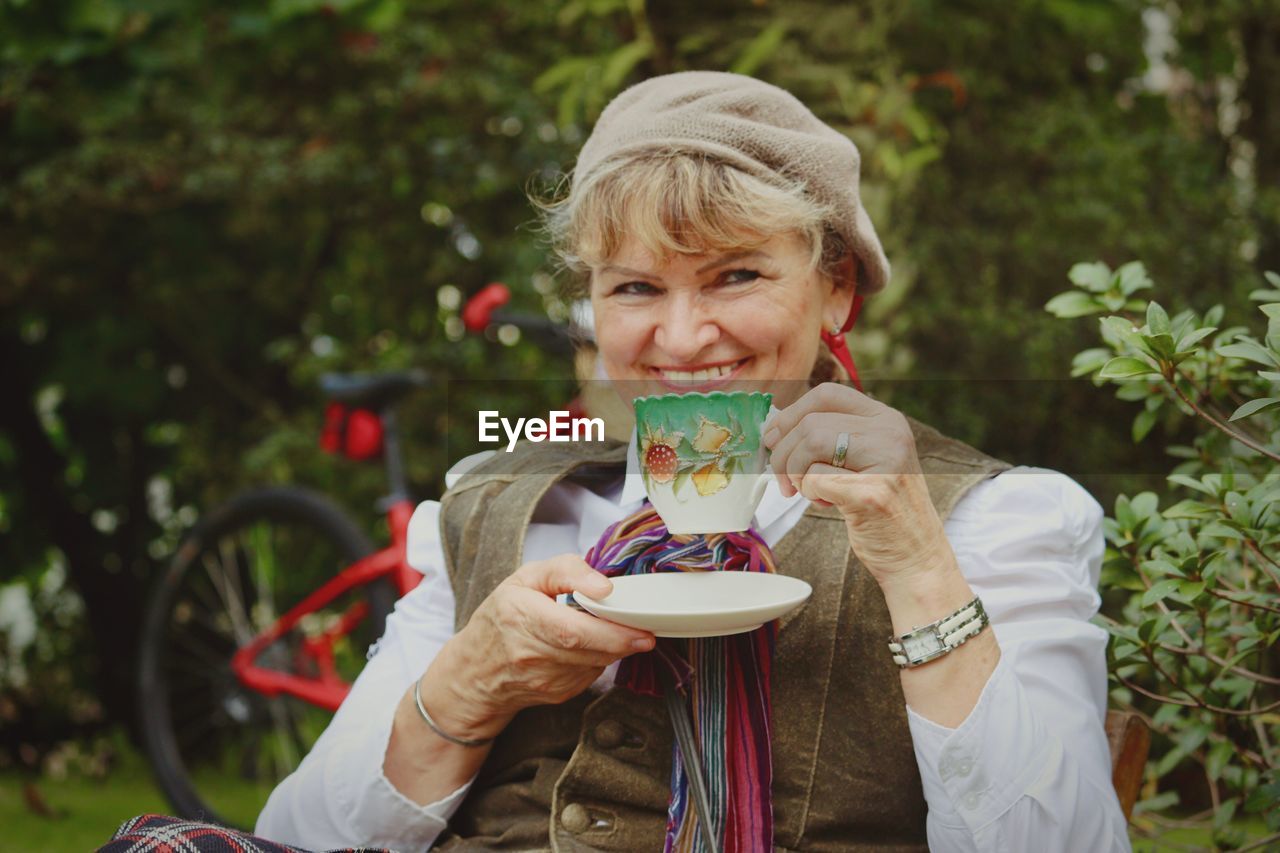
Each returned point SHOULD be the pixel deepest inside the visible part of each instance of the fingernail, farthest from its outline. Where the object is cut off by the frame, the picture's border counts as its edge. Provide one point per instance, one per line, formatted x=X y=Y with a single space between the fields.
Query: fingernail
x=770 y=436
x=642 y=644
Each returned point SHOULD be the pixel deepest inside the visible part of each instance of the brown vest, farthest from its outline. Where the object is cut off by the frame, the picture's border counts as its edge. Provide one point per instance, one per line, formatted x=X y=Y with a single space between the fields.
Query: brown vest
x=594 y=773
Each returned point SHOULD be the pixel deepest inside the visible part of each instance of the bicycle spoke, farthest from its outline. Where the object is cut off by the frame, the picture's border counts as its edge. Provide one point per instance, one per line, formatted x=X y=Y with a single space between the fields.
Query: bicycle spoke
x=264 y=573
x=206 y=654
x=233 y=607
x=196 y=729
x=286 y=758
x=257 y=561
x=232 y=577
x=210 y=600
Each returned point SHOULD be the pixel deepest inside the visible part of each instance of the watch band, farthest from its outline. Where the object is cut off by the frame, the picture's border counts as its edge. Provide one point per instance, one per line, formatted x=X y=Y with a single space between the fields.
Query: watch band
x=930 y=642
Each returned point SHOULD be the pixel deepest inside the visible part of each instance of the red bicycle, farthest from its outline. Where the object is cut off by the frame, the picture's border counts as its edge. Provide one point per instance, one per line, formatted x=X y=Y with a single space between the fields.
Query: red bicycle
x=260 y=623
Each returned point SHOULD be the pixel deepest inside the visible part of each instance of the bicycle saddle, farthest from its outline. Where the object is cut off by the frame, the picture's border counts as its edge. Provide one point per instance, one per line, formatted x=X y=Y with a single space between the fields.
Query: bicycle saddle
x=372 y=390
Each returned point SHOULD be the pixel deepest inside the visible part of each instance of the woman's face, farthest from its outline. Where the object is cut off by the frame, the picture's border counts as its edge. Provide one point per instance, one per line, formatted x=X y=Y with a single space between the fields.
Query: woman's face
x=732 y=320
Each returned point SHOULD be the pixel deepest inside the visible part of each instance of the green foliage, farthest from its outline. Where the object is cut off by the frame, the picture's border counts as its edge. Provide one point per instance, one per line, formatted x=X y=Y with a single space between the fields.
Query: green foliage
x=1195 y=647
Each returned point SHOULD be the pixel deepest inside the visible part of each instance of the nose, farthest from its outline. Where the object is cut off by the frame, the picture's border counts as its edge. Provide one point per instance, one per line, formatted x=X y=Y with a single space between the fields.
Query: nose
x=684 y=330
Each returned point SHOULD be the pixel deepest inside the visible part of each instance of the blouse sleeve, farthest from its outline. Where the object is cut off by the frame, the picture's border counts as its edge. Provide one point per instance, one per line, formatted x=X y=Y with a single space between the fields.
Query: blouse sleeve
x=339 y=794
x=1029 y=768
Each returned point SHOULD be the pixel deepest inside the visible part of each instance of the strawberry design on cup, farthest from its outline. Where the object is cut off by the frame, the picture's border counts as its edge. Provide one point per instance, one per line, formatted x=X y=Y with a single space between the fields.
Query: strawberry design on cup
x=701 y=458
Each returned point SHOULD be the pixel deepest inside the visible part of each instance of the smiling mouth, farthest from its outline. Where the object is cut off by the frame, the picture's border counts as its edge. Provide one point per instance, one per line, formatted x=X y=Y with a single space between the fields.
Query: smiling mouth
x=701 y=377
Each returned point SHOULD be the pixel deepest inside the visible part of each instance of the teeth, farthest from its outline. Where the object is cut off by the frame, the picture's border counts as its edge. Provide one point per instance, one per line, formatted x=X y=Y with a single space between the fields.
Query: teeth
x=697 y=376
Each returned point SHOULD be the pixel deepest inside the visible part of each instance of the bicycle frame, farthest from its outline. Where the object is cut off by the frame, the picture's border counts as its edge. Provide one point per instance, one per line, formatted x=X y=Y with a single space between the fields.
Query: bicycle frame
x=327 y=689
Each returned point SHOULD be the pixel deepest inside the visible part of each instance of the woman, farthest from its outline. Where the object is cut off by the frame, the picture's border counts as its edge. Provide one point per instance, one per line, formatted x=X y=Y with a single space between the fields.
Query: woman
x=716 y=226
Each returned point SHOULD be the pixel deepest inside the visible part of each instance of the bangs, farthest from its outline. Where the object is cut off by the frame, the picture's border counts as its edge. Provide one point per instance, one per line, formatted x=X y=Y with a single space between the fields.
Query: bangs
x=676 y=204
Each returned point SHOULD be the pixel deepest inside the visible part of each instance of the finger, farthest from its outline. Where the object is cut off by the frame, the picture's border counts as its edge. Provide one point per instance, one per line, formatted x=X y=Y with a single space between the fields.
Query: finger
x=827 y=397
x=569 y=630
x=813 y=439
x=823 y=484
x=565 y=573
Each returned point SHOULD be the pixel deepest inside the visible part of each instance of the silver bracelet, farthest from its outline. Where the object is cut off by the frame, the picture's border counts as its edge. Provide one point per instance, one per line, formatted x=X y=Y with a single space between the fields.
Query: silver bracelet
x=417 y=700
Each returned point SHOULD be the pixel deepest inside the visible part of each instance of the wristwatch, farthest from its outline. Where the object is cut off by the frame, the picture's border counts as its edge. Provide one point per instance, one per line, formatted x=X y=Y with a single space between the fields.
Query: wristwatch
x=921 y=645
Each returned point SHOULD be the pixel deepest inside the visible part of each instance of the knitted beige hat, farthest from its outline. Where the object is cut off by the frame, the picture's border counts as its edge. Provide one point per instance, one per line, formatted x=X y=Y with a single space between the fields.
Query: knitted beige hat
x=753 y=126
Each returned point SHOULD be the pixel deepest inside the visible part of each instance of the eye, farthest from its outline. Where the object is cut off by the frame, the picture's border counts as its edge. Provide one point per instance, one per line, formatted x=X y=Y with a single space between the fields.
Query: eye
x=634 y=288
x=742 y=276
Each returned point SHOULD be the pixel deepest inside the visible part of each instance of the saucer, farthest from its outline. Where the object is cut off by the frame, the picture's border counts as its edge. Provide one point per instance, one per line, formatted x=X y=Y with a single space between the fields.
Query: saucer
x=698 y=604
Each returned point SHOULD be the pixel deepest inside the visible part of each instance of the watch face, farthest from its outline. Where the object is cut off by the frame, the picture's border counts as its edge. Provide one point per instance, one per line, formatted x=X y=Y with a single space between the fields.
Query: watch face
x=921 y=645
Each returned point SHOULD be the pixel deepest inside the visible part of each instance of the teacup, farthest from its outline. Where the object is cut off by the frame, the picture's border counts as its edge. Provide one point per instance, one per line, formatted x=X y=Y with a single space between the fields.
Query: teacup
x=702 y=460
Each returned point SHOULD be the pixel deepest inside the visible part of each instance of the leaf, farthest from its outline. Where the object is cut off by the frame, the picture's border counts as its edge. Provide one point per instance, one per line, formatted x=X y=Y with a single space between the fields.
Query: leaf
x=1190 y=483
x=1264 y=798
x=682 y=477
x=1190 y=509
x=1073 y=303
x=760 y=48
x=1192 y=338
x=1159 y=591
x=1269 y=375
x=1254 y=406
x=1220 y=530
x=1117 y=330
x=1219 y=755
x=1095 y=276
x=1144 y=504
x=559 y=74
x=1161 y=567
x=1142 y=424
x=1190 y=590
x=1120 y=651
x=1159 y=802
x=1157 y=319
x=622 y=61
x=1088 y=361
x=1132 y=277
x=1125 y=367
x=1238 y=507
x=1250 y=351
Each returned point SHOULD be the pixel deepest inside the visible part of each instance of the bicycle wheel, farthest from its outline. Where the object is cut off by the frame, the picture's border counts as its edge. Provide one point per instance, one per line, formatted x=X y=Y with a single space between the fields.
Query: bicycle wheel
x=217 y=747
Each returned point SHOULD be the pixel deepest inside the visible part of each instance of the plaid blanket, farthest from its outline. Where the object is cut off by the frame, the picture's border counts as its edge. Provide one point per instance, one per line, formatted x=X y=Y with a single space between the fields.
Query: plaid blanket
x=153 y=833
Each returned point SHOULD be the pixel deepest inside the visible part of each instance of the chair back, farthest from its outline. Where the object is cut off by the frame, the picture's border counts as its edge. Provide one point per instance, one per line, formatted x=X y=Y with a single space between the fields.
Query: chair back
x=1129 y=740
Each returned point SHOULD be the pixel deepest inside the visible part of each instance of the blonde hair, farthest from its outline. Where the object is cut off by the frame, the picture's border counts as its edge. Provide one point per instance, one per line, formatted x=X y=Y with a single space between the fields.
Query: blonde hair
x=678 y=203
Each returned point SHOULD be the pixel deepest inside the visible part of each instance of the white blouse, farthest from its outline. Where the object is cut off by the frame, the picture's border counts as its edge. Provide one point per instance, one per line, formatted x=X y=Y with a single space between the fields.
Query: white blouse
x=1028 y=769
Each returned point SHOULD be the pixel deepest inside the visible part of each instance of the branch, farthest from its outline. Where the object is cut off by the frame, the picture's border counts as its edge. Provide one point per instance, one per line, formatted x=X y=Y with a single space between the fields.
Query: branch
x=1168 y=700
x=1261 y=842
x=1257 y=549
x=1243 y=439
x=1200 y=703
x=1238 y=670
x=1217 y=594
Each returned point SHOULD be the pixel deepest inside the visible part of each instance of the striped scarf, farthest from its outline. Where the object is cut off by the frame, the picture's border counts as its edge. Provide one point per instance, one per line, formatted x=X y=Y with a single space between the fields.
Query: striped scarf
x=726 y=680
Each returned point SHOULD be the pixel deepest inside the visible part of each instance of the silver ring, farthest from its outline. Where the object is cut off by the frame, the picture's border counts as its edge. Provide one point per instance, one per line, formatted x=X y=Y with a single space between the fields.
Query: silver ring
x=842 y=447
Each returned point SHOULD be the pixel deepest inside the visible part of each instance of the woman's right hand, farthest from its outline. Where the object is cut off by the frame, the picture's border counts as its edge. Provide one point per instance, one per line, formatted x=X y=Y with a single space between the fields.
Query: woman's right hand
x=522 y=648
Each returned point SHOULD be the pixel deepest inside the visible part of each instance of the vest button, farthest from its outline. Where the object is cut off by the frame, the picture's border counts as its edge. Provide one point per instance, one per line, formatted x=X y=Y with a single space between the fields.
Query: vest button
x=575 y=818
x=609 y=734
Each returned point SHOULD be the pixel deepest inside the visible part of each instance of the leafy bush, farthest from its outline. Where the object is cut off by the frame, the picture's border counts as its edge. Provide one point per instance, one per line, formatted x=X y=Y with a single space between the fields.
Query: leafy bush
x=1195 y=646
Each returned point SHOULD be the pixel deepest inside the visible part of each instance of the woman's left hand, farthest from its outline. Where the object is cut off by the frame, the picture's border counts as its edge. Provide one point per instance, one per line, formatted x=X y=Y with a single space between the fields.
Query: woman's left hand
x=879 y=488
